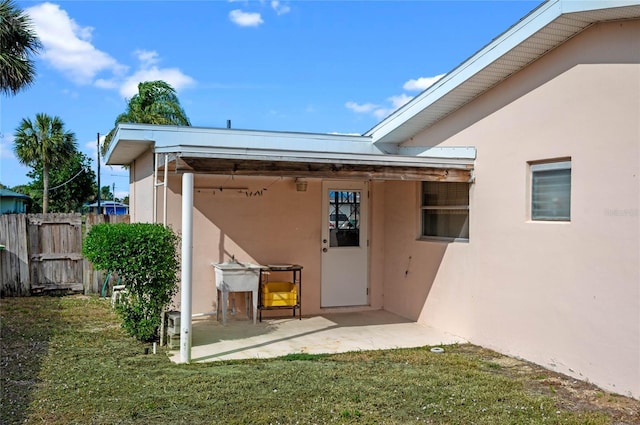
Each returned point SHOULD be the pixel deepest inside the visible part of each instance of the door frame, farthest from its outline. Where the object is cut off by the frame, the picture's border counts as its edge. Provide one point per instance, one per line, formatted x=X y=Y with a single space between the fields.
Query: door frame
x=361 y=253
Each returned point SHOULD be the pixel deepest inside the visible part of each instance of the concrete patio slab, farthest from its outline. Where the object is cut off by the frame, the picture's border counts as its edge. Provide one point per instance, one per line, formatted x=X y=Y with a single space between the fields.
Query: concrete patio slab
x=327 y=333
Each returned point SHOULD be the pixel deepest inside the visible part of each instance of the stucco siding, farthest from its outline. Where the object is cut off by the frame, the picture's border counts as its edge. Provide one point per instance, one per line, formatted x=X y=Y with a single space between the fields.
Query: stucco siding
x=565 y=294
x=280 y=225
x=141 y=186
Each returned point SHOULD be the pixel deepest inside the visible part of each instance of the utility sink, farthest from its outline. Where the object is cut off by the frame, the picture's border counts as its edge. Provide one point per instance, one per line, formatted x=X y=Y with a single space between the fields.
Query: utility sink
x=233 y=276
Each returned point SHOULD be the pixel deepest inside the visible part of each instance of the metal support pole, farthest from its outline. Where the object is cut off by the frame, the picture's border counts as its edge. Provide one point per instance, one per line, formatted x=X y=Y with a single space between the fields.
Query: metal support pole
x=187 y=251
x=155 y=188
x=98 y=141
x=165 y=185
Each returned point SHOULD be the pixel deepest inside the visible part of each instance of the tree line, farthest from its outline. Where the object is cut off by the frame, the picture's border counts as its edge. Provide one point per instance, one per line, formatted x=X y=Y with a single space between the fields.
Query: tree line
x=61 y=176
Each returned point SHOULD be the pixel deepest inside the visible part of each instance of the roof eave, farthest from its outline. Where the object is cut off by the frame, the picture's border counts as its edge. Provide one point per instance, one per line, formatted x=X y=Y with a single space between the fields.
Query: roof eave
x=130 y=140
x=394 y=129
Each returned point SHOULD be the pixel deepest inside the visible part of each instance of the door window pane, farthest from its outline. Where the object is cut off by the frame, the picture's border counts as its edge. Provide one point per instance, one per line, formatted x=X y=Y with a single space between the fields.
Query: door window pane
x=344 y=218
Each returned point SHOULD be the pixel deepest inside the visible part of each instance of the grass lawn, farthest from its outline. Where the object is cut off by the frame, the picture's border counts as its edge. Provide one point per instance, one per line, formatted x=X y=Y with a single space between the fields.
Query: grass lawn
x=65 y=360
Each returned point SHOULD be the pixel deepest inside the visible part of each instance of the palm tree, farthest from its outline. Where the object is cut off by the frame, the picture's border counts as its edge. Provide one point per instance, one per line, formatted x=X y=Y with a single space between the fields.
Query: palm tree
x=155 y=103
x=44 y=142
x=18 y=42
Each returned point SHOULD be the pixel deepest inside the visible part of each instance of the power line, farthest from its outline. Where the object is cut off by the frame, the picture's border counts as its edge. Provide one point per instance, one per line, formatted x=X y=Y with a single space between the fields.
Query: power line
x=68 y=181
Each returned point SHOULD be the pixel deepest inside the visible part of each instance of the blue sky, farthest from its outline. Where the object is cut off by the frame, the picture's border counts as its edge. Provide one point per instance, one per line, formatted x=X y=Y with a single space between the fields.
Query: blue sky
x=310 y=66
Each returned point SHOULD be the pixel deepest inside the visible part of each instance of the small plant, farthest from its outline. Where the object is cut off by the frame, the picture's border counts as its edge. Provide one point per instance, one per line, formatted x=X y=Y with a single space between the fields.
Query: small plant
x=347 y=414
x=145 y=256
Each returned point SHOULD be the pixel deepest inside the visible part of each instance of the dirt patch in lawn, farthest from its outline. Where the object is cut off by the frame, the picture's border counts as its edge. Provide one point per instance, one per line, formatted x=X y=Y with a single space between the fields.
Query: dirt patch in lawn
x=570 y=393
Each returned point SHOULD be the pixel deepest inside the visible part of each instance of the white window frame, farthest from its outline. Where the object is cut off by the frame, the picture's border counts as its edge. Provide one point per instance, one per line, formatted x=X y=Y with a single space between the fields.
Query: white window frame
x=551 y=165
x=422 y=236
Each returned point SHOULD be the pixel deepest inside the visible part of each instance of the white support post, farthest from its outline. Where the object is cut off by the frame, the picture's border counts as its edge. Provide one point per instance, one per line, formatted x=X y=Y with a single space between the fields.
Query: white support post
x=155 y=188
x=187 y=250
x=166 y=183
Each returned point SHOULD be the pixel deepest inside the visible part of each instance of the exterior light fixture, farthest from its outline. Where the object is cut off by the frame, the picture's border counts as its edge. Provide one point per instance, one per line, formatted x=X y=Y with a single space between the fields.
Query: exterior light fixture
x=301 y=185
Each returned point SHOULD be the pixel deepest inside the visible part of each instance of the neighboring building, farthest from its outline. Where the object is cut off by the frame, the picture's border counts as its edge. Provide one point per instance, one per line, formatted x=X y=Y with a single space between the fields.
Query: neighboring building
x=501 y=205
x=12 y=202
x=109 y=207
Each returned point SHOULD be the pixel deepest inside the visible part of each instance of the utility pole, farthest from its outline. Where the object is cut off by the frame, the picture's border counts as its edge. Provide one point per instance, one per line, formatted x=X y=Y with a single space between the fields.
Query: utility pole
x=98 y=141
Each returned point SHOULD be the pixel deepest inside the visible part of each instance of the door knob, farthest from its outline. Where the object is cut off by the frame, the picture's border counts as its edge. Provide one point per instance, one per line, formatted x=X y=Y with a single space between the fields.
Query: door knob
x=324 y=241
x=324 y=250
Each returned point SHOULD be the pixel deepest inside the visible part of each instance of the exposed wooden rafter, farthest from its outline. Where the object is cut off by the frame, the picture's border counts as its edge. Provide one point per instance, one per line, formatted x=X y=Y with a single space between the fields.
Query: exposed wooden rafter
x=320 y=170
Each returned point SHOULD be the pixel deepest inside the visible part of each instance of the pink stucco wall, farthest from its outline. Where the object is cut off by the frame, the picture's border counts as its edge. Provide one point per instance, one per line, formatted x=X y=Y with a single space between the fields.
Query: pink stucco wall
x=141 y=189
x=279 y=226
x=564 y=295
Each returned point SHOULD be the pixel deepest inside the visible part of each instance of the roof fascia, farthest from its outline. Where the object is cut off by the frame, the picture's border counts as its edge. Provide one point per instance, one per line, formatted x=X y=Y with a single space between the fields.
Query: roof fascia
x=170 y=136
x=155 y=132
x=574 y=6
x=129 y=132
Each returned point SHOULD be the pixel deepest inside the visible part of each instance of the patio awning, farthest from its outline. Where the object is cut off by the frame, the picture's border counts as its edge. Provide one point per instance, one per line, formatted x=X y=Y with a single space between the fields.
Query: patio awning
x=285 y=154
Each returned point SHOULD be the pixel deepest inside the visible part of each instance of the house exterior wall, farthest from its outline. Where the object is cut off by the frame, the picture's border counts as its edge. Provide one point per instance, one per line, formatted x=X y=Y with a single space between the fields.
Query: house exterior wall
x=11 y=205
x=565 y=295
x=278 y=226
x=141 y=186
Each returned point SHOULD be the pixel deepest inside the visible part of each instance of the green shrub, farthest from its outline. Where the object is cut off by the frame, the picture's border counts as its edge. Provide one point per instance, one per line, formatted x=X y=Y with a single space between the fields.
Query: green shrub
x=145 y=256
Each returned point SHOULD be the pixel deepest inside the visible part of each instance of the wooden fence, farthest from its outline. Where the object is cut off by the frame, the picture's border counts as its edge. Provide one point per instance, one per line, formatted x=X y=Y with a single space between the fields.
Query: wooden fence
x=43 y=252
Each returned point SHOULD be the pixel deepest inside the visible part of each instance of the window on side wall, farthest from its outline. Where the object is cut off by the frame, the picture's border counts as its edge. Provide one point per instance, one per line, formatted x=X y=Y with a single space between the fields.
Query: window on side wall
x=445 y=210
x=551 y=191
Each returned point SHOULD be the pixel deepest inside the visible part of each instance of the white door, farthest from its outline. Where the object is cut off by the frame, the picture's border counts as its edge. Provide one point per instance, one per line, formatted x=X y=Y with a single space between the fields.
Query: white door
x=344 y=244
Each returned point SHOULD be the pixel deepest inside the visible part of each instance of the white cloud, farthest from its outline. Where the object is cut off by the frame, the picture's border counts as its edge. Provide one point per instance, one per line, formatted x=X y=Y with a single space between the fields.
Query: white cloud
x=10 y=167
x=173 y=76
x=399 y=100
x=91 y=148
x=6 y=146
x=421 y=83
x=147 y=58
x=68 y=48
x=106 y=84
x=67 y=45
x=379 y=111
x=382 y=113
x=364 y=108
x=245 y=19
x=280 y=8
x=147 y=71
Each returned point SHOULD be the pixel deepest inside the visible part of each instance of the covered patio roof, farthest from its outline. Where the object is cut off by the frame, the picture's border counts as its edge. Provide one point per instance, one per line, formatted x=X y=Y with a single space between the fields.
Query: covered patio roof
x=193 y=150
x=261 y=153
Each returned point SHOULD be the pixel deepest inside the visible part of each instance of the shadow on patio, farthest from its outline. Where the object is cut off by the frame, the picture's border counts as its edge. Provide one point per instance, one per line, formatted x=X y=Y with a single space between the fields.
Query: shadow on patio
x=326 y=333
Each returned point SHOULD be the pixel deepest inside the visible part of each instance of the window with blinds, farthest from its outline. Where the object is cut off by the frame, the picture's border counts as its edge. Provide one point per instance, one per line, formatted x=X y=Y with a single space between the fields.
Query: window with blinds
x=445 y=210
x=551 y=191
